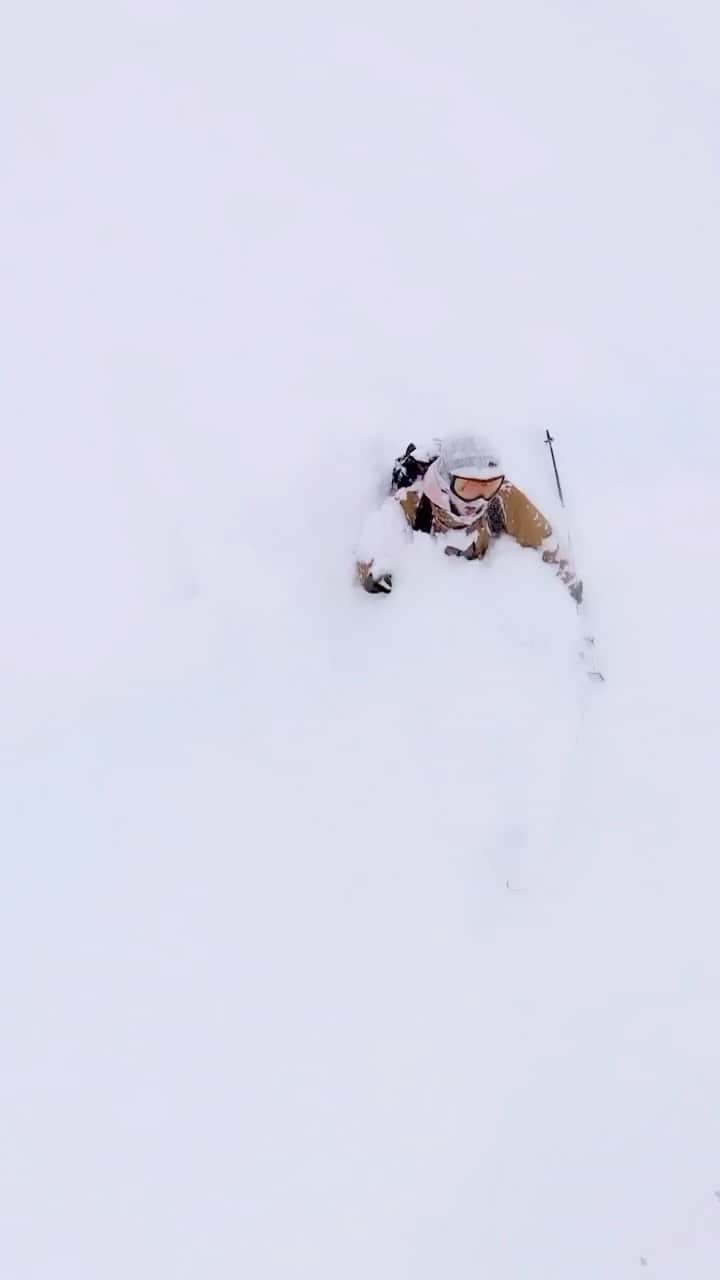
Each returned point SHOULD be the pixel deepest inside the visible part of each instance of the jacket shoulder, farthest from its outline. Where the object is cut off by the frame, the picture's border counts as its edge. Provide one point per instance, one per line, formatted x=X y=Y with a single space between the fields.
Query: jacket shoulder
x=524 y=522
x=409 y=500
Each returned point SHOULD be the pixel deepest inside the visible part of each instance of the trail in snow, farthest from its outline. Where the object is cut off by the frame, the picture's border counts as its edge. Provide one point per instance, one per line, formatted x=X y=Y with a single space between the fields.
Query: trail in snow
x=272 y=974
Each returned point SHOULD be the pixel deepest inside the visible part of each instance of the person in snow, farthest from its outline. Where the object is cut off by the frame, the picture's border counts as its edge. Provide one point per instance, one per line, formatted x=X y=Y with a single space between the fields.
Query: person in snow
x=458 y=492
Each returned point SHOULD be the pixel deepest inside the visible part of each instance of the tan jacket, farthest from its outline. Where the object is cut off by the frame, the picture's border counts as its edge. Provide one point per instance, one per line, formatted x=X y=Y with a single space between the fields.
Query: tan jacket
x=510 y=512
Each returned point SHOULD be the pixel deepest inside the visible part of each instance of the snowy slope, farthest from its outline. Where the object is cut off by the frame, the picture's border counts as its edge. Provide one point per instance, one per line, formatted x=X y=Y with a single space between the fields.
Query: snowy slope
x=346 y=936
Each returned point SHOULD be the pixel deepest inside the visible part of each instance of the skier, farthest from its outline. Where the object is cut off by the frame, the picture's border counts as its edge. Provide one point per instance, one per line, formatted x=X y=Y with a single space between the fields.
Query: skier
x=458 y=492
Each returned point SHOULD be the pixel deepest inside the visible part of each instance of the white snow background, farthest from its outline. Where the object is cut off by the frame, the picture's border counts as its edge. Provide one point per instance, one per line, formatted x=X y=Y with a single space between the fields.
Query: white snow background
x=342 y=936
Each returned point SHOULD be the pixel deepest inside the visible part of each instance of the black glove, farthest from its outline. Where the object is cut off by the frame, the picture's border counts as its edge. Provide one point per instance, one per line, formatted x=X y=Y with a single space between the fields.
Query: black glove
x=379 y=586
x=576 y=591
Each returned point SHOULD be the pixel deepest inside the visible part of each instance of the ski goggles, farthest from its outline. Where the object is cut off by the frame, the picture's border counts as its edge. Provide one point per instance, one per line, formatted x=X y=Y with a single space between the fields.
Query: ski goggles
x=468 y=490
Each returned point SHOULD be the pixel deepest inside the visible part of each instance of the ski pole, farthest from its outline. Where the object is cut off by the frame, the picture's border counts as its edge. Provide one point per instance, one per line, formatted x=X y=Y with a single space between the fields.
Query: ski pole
x=589 y=640
x=550 y=440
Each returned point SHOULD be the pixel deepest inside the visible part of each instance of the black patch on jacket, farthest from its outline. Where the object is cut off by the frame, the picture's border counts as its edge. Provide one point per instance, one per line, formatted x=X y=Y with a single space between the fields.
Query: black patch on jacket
x=423 y=521
x=495 y=517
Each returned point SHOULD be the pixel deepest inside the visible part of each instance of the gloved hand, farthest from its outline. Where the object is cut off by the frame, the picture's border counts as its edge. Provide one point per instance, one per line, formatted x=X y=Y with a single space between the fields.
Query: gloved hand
x=378 y=586
x=576 y=591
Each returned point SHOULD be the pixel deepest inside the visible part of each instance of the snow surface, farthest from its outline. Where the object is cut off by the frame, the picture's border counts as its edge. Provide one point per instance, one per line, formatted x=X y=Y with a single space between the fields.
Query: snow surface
x=349 y=936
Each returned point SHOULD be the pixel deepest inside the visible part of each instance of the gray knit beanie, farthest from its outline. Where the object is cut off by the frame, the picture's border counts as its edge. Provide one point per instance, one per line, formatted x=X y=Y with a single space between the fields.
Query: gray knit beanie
x=471 y=457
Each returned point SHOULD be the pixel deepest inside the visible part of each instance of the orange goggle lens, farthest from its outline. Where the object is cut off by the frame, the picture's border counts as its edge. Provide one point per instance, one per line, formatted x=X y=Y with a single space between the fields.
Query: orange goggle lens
x=473 y=490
